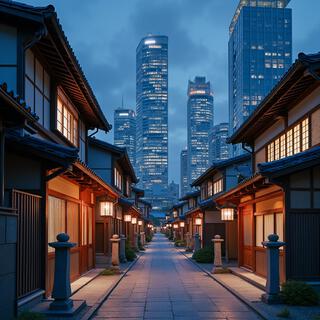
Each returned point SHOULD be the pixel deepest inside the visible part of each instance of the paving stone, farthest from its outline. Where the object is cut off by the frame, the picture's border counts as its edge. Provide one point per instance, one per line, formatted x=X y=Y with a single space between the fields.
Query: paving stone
x=163 y=284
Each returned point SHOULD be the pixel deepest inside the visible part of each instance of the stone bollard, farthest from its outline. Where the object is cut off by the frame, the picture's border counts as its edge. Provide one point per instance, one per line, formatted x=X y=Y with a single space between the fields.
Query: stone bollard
x=61 y=286
x=115 y=251
x=122 y=254
x=273 y=281
x=217 y=264
x=143 y=238
x=196 y=243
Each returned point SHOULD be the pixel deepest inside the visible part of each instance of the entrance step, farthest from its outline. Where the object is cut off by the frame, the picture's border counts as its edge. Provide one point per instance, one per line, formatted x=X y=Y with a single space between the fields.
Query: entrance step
x=250 y=277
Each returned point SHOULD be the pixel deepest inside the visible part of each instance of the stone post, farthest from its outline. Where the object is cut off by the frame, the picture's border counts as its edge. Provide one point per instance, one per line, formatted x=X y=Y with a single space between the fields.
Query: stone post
x=143 y=238
x=122 y=254
x=217 y=264
x=196 y=242
x=273 y=280
x=115 y=251
x=61 y=286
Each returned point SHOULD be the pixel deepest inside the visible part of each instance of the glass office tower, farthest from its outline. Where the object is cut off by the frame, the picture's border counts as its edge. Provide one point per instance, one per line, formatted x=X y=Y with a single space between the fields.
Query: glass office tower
x=125 y=131
x=200 y=122
x=260 y=52
x=184 y=185
x=152 y=117
x=218 y=147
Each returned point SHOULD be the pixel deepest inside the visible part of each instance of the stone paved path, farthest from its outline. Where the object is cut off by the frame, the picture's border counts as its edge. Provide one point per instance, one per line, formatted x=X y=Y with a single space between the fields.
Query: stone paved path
x=164 y=284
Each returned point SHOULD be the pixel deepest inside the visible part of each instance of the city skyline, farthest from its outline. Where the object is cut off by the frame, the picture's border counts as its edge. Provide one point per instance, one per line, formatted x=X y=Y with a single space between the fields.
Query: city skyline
x=205 y=35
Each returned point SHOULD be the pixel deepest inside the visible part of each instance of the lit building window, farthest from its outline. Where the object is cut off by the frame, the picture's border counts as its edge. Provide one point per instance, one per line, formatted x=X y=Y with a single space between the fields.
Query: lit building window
x=305 y=134
x=67 y=119
x=217 y=186
x=210 y=188
x=292 y=142
x=296 y=139
x=117 y=179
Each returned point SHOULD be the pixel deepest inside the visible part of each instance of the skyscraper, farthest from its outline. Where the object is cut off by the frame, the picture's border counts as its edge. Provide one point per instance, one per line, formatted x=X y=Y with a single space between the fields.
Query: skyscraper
x=173 y=192
x=184 y=185
x=152 y=116
x=200 y=122
x=260 y=52
x=218 y=147
x=125 y=131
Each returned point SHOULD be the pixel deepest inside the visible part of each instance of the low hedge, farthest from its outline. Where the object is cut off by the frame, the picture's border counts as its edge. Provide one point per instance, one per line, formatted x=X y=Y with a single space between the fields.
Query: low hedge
x=180 y=243
x=130 y=253
x=298 y=293
x=204 y=255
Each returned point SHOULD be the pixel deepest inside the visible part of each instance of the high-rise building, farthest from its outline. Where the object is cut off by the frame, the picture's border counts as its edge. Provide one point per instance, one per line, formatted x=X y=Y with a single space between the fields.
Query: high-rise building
x=218 y=147
x=260 y=52
x=173 y=192
x=200 y=122
x=125 y=131
x=152 y=117
x=184 y=185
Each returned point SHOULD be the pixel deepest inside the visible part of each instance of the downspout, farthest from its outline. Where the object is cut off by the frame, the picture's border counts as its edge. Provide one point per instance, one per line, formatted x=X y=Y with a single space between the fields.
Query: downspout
x=2 y=152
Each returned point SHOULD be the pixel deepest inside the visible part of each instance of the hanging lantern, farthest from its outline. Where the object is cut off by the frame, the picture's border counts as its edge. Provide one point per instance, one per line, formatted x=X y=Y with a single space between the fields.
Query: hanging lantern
x=106 y=209
x=175 y=213
x=140 y=222
x=127 y=217
x=228 y=212
x=175 y=226
x=134 y=220
x=182 y=224
x=198 y=221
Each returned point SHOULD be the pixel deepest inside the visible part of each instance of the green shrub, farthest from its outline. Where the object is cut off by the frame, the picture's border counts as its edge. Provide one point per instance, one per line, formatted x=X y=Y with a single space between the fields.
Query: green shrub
x=170 y=237
x=204 y=255
x=180 y=243
x=107 y=272
x=284 y=313
x=130 y=253
x=148 y=238
x=299 y=293
x=27 y=315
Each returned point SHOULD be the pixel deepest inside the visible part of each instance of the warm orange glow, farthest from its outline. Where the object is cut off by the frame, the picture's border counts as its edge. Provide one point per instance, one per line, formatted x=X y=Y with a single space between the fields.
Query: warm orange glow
x=127 y=217
x=175 y=226
x=134 y=220
x=140 y=222
x=198 y=221
x=182 y=224
x=227 y=214
x=106 y=209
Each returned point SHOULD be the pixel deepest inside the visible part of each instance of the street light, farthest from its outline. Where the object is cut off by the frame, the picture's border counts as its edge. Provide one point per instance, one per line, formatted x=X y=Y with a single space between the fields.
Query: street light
x=228 y=212
x=127 y=217
x=182 y=224
x=106 y=209
x=140 y=222
x=134 y=220
x=198 y=221
x=175 y=226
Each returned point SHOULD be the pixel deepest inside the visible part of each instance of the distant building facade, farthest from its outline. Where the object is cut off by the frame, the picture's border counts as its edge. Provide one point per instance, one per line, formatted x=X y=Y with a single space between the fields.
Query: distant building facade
x=184 y=185
x=218 y=147
x=200 y=122
x=173 y=191
x=125 y=131
x=152 y=117
x=260 y=52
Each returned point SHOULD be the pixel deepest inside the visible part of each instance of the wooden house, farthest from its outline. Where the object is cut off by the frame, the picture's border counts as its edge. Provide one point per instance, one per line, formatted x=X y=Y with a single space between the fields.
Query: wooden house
x=282 y=196
x=47 y=108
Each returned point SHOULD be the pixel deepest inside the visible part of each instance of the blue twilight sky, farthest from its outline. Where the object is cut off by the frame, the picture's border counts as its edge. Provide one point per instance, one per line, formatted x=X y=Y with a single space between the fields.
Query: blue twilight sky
x=105 y=33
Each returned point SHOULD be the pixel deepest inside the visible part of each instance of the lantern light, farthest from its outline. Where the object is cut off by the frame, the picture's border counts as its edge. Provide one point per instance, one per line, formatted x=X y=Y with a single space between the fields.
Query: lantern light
x=140 y=222
x=175 y=226
x=182 y=224
x=134 y=220
x=106 y=209
x=198 y=221
x=228 y=212
x=127 y=217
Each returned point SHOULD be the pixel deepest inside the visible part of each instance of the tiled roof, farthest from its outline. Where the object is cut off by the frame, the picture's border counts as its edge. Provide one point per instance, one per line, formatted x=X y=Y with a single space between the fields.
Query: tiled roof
x=17 y=101
x=290 y=164
x=190 y=194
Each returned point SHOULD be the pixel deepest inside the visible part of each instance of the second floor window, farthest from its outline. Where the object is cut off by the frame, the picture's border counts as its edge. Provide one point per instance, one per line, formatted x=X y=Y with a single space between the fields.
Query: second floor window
x=210 y=188
x=293 y=141
x=117 y=179
x=217 y=186
x=67 y=119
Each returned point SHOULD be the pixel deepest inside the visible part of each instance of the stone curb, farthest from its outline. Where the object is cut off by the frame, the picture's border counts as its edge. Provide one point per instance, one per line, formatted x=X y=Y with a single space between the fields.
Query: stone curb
x=88 y=315
x=261 y=313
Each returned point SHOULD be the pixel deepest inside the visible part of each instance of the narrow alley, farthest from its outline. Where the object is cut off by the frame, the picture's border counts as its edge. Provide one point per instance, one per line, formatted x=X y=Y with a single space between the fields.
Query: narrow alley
x=164 y=284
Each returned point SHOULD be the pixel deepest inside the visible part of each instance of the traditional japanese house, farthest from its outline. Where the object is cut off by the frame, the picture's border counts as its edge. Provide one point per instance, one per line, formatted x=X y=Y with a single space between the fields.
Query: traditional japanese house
x=47 y=108
x=283 y=194
x=193 y=214
x=219 y=178
x=112 y=164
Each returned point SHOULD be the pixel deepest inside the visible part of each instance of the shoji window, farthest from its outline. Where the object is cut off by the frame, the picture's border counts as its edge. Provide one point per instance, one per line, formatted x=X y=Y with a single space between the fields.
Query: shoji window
x=37 y=88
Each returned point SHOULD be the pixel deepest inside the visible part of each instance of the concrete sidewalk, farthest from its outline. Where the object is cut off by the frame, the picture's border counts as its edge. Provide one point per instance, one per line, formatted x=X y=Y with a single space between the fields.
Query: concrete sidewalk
x=251 y=294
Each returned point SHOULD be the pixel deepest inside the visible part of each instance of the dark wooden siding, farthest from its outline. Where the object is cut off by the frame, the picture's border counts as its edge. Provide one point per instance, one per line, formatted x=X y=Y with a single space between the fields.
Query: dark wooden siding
x=303 y=245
